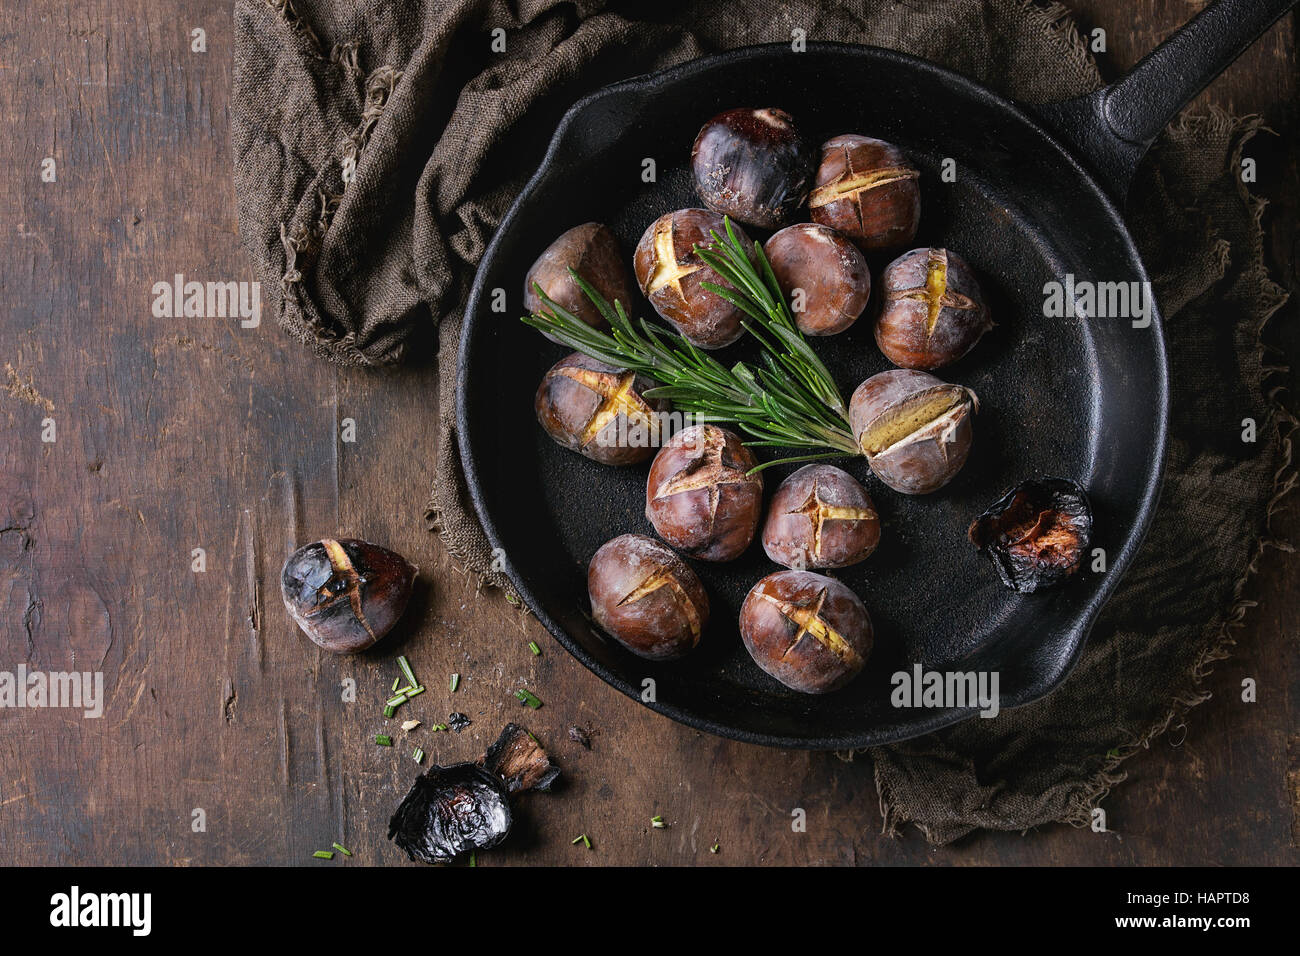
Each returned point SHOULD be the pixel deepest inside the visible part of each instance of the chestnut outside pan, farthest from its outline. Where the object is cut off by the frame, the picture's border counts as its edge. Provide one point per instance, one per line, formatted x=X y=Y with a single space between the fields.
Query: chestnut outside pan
x=1035 y=199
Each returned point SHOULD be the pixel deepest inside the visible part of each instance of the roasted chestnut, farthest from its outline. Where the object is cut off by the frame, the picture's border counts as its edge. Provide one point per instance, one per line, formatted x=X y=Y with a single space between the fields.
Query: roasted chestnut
x=808 y=631
x=933 y=312
x=700 y=497
x=914 y=428
x=867 y=190
x=599 y=410
x=346 y=594
x=823 y=275
x=591 y=251
x=451 y=811
x=753 y=166
x=820 y=517
x=647 y=597
x=672 y=277
x=1036 y=534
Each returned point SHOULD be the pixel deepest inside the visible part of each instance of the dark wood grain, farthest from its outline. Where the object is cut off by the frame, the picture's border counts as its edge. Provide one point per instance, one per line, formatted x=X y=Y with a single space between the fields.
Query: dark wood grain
x=174 y=434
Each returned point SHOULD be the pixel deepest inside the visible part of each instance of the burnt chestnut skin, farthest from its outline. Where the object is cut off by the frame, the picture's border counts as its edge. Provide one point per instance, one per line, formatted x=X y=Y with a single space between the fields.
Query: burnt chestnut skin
x=1036 y=534
x=599 y=410
x=590 y=250
x=753 y=166
x=867 y=189
x=933 y=311
x=914 y=429
x=831 y=272
x=346 y=594
x=820 y=517
x=808 y=631
x=647 y=597
x=699 y=497
x=672 y=277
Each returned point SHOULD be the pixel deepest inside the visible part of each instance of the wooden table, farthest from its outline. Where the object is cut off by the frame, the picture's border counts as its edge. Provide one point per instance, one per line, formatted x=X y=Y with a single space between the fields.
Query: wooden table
x=178 y=434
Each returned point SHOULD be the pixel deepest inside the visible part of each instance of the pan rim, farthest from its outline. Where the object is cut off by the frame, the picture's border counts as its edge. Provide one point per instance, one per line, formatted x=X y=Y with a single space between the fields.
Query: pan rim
x=937 y=719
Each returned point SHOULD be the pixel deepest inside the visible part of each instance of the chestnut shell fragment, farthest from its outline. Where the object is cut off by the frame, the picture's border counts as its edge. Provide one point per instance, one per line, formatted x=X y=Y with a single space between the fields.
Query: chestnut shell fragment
x=346 y=594
x=451 y=811
x=520 y=761
x=1036 y=534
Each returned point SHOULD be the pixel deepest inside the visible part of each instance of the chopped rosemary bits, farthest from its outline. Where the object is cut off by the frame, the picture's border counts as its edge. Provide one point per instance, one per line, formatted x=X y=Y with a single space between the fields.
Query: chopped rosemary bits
x=658 y=822
x=409 y=674
x=582 y=838
x=396 y=681
x=383 y=740
x=389 y=710
x=342 y=849
x=455 y=682
x=417 y=755
x=532 y=646
x=528 y=697
x=395 y=701
x=414 y=692
x=323 y=855
x=715 y=848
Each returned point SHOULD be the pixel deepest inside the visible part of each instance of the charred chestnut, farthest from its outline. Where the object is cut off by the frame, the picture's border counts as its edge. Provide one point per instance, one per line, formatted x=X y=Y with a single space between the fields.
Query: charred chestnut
x=933 y=312
x=599 y=410
x=808 y=631
x=914 y=428
x=699 y=496
x=451 y=811
x=867 y=190
x=647 y=597
x=820 y=517
x=753 y=166
x=346 y=594
x=591 y=251
x=672 y=277
x=1036 y=534
x=823 y=275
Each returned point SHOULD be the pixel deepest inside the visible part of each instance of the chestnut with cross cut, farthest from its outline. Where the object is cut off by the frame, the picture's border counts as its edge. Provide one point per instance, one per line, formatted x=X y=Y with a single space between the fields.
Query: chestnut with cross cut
x=933 y=312
x=808 y=631
x=672 y=277
x=867 y=190
x=346 y=594
x=647 y=597
x=914 y=429
x=599 y=410
x=820 y=517
x=591 y=251
x=700 y=497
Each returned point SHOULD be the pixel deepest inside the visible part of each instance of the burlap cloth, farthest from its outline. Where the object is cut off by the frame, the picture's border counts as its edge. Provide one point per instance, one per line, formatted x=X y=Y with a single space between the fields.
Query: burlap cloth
x=377 y=145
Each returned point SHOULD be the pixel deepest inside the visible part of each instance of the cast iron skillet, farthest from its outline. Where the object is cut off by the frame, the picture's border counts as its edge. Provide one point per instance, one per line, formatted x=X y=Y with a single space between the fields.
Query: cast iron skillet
x=1035 y=199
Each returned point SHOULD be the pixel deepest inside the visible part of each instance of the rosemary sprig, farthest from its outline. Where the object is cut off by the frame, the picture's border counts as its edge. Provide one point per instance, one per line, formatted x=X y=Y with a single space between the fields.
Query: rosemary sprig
x=788 y=401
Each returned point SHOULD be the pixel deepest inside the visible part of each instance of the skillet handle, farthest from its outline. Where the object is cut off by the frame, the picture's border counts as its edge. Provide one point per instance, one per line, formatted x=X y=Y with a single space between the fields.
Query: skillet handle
x=1114 y=126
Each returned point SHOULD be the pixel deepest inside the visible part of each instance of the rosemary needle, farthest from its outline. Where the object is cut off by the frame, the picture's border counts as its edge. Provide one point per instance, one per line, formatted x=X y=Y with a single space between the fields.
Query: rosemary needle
x=528 y=697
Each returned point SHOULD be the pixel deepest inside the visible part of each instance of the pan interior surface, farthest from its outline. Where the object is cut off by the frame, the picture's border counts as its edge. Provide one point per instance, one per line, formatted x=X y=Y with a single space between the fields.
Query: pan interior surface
x=1082 y=398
